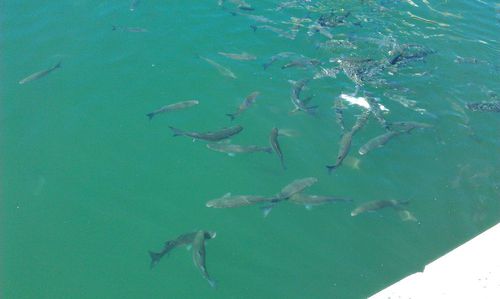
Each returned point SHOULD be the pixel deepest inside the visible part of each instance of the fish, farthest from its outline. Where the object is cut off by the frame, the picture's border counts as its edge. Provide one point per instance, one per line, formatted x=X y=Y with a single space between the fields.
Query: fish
x=241 y=56
x=238 y=149
x=182 y=240
x=301 y=63
x=295 y=187
x=273 y=139
x=346 y=140
x=133 y=4
x=222 y=70
x=129 y=29
x=300 y=105
x=173 y=107
x=493 y=106
x=377 y=205
x=249 y=100
x=314 y=200
x=275 y=58
x=377 y=142
x=407 y=126
x=234 y=201
x=40 y=74
x=199 y=256
x=209 y=136
x=280 y=32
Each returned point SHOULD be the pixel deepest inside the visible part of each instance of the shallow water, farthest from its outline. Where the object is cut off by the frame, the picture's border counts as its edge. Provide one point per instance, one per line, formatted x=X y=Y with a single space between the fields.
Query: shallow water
x=89 y=184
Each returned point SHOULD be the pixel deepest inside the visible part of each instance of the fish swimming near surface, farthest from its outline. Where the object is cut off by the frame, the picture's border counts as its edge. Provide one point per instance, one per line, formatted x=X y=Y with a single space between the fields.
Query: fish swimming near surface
x=232 y=149
x=199 y=256
x=173 y=107
x=242 y=56
x=493 y=106
x=273 y=140
x=301 y=63
x=234 y=201
x=346 y=140
x=295 y=187
x=182 y=240
x=40 y=74
x=377 y=205
x=301 y=105
x=222 y=69
x=314 y=200
x=377 y=142
x=209 y=136
x=249 y=100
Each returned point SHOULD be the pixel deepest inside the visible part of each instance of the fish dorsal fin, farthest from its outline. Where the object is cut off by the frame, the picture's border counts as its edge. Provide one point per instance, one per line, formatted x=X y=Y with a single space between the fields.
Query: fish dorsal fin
x=226 y=195
x=189 y=246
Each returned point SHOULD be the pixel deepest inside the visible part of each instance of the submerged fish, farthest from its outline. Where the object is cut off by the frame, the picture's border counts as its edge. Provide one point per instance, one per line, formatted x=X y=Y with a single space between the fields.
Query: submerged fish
x=407 y=126
x=129 y=29
x=493 y=106
x=209 y=136
x=182 y=240
x=237 y=149
x=280 y=32
x=40 y=74
x=377 y=142
x=241 y=56
x=222 y=70
x=304 y=62
x=199 y=256
x=295 y=187
x=314 y=200
x=249 y=100
x=273 y=140
x=377 y=205
x=173 y=107
x=276 y=57
x=133 y=4
x=234 y=201
x=301 y=105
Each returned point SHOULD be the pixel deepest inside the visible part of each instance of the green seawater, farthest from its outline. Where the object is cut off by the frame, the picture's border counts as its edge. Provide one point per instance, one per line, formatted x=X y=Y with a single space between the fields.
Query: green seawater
x=89 y=185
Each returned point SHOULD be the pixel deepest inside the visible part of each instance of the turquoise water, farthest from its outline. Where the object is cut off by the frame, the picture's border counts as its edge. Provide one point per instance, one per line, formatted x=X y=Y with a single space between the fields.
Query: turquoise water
x=89 y=185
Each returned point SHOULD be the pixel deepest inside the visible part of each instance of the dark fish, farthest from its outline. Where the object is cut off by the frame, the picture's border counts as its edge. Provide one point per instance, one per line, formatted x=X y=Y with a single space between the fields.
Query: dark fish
x=234 y=201
x=249 y=100
x=301 y=105
x=40 y=74
x=182 y=240
x=273 y=139
x=377 y=205
x=199 y=256
x=209 y=136
x=232 y=149
x=377 y=142
x=173 y=107
x=493 y=106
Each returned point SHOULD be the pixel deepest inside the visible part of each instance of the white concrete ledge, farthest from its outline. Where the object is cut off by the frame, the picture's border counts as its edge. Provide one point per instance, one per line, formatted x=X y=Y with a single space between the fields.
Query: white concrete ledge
x=472 y=270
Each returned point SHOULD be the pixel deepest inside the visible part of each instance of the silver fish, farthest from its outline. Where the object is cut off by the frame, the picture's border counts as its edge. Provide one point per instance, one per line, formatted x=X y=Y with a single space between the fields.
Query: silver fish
x=234 y=201
x=173 y=107
x=273 y=140
x=237 y=149
x=300 y=105
x=295 y=187
x=377 y=142
x=249 y=100
x=199 y=256
x=236 y=56
x=304 y=62
x=209 y=136
x=182 y=240
x=377 y=205
x=222 y=70
x=314 y=200
x=346 y=140
x=40 y=74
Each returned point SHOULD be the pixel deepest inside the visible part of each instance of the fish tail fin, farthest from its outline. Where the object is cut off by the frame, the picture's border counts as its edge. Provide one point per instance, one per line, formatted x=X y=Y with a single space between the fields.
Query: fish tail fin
x=254 y=27
x=58 y=65
x=266 y=210
x=330 y=168
x=155 y=258
x=212 y=282
x=176 y=131
x=150 y=115
x=232 y=116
